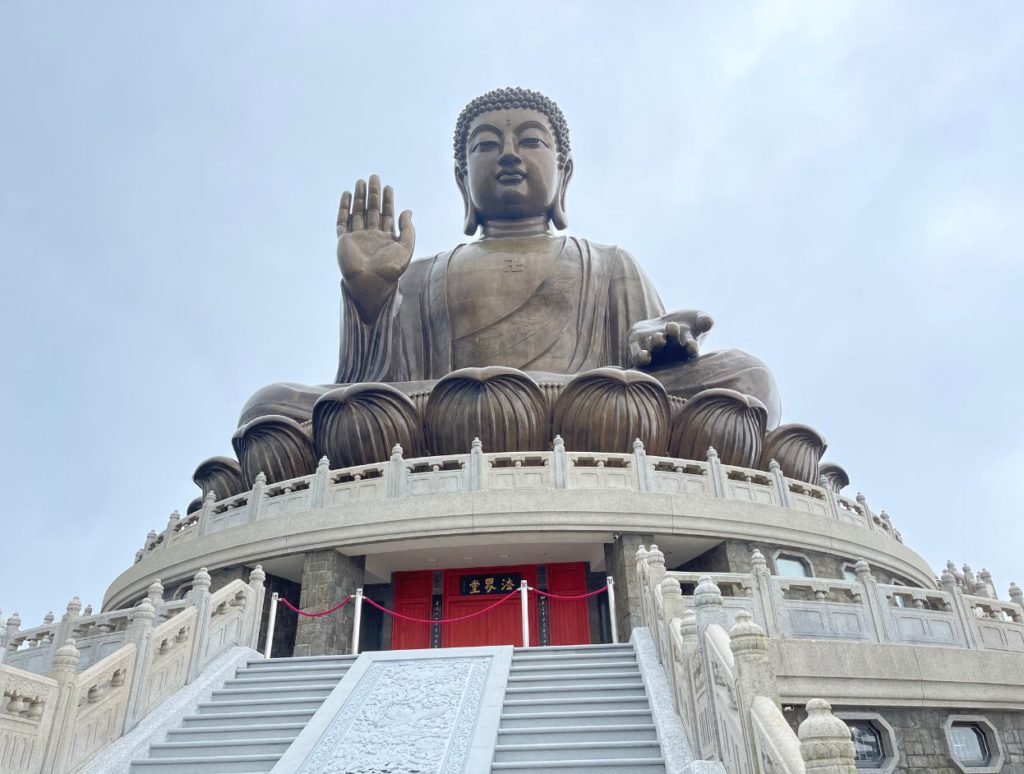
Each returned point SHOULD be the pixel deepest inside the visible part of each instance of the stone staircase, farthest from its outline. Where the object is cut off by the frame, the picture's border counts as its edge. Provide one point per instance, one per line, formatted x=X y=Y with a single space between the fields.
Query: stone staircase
x=249 y=722
x=577 y=710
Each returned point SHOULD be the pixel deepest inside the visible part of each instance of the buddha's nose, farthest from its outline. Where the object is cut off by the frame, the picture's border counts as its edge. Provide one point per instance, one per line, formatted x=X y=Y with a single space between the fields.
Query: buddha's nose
x=509 y=157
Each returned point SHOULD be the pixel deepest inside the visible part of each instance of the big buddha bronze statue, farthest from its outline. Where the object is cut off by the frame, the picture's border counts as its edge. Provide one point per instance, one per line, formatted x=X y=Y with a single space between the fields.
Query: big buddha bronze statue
x=519 y=335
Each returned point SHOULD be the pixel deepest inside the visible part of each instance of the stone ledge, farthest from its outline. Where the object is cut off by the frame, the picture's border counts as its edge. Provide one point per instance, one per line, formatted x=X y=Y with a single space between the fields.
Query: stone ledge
x=868 y=674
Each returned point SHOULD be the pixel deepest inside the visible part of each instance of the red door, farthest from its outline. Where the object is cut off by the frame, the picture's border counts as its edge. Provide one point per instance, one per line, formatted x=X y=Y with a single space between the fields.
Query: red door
x=500 y=626
x=413 y=593
x=569 y=623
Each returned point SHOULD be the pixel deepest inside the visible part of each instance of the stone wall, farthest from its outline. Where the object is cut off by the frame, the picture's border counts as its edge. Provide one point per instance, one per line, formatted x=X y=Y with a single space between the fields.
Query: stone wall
x=921 y=739
x=620 y=558
x=327 y=578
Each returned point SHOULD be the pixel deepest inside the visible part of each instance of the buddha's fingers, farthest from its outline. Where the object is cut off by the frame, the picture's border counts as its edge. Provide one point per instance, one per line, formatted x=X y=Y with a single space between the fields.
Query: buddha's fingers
x=639 y=355
x=343 y=212
x=373 y=203
x=673 y=331
x=690 y=346
x=358 y=222
x=387 y=223
x=703 y=323
x=406 y=231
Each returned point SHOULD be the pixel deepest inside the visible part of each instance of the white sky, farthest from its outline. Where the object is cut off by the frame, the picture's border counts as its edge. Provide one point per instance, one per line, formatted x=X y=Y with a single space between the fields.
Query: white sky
x=839 y=184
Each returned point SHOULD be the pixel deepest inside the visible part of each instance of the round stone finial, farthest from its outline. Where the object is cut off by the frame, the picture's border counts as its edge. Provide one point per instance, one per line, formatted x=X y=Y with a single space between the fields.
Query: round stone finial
x=14 y=621
x=257 y=576
x=757 y=559
x=67 y=656
x=48 y=618
x=824 y=738
x=638 y=445
x=74 y=606
x=947 y=578
x=862 y=568
x=260 y=480
x=396 y=450
x=688 y=625
x=773 y=465
x=323 y=464
x=707 y=593
x=670 y=589
x=746 y=636
x=477 y=445
x=155 y=590
x=201 y=579
x=144 y=611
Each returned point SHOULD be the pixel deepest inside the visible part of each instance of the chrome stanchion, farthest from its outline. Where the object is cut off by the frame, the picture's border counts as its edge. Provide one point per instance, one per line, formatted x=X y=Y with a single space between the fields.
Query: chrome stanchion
x=524 y=605
x=611 y=609
x=357 y=620
x=271 y=620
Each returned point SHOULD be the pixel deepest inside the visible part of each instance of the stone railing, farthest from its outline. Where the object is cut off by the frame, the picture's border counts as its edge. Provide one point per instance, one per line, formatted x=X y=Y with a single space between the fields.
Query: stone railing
x=820 y=608
x=54 y=723
x=477 y=471
x=723 y=684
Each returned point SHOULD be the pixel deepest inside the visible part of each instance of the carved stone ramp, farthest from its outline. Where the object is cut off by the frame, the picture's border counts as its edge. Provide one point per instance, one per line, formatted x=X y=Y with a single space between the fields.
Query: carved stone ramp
x=249 y=723
x=576 y=709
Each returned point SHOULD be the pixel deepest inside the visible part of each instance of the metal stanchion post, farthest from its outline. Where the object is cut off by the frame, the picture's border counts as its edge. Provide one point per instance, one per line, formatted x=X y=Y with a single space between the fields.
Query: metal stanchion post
x=611 y=609
x=523 y=603
x=271 y=620
x=357 y=620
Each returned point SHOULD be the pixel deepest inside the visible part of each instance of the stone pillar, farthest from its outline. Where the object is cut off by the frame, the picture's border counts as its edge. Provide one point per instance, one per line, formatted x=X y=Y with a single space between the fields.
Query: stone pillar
x=754 y=674
x=825 y=741
x=327 y=578
x=620 y=558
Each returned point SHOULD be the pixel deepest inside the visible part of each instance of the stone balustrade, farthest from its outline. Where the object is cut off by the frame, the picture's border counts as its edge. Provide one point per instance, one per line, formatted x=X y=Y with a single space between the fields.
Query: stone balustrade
x=479 y=471
x=723 y=684
x=863 y=609
x=56 y=718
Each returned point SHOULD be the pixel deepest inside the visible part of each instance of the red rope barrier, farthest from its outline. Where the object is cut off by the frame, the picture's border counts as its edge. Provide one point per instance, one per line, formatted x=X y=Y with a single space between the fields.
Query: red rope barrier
x=581 y=596
x=290 y=606
x=442 y=620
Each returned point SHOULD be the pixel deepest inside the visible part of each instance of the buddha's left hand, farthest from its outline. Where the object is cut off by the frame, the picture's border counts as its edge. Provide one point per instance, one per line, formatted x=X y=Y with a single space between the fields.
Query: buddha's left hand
x=670 y=338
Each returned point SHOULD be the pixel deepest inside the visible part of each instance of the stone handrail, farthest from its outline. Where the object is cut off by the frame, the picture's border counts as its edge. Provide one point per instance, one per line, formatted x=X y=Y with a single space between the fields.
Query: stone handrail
x=54 y=724
x=863 y=609
x=477 y=471
x=724 y=686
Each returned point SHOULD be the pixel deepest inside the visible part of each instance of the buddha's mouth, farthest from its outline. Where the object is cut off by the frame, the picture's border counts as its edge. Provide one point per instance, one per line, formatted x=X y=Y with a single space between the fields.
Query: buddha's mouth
x=511 y=177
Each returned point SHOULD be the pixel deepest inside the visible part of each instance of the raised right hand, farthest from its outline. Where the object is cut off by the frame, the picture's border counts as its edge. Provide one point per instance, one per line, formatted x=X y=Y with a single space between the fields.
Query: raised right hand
x=371 y=256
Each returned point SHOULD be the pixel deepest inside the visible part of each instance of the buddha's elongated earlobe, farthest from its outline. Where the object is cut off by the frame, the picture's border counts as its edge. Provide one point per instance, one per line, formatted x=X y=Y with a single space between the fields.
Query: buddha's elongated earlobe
x=558 y=217
x=470 y=224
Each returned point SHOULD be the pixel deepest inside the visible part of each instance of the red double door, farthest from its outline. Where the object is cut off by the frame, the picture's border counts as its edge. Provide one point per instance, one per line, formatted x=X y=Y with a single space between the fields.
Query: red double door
x=466 y=591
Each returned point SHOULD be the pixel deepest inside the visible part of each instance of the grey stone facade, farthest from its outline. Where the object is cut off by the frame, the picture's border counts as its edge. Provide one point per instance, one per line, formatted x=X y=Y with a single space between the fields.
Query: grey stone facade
x=327 y=578
x=620 y=558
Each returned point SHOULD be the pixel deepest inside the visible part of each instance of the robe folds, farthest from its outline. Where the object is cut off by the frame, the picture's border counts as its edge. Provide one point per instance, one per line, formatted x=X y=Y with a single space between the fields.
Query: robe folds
x=577 y=317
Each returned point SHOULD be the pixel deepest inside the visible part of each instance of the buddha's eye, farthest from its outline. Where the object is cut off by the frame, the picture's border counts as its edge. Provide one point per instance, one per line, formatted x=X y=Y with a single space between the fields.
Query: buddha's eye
x=532 y=142
x=485 y=146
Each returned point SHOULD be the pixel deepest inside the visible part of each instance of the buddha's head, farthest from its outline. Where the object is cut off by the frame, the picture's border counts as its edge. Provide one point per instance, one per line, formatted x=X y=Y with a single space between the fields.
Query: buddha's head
x=512 y=158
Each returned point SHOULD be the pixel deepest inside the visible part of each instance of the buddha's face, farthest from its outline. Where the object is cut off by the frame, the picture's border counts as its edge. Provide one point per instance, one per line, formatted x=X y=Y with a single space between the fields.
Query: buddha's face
x=511 y=165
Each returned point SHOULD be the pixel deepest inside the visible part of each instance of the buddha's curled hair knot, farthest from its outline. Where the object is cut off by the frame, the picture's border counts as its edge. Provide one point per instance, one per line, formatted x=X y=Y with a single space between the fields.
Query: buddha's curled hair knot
x=507 y=99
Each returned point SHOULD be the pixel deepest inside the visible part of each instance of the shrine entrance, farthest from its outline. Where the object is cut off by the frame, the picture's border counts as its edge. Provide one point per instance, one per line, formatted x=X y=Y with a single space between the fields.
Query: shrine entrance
x=455 y=593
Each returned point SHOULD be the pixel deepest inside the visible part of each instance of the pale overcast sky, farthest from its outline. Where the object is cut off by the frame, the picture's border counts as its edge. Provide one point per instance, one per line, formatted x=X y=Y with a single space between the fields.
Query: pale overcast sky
x=841 y=185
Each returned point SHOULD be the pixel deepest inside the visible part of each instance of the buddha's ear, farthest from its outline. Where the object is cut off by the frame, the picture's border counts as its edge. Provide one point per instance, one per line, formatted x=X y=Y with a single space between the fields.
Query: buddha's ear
x=558 y=216
x=470 y=223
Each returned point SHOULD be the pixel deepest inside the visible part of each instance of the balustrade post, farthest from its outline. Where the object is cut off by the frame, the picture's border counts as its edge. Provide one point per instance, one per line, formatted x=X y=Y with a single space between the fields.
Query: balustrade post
x=754 y=675
x=257 y=496
x=986 y=585
x=255 y=613
x=140 y=632
x=718 y=480
x=199 y=598
x=962 y=612
x=476 y=466
x=707 y=604
x=862 y=501
x=672 y=607
x=206 y=513
x=643 y=592
x=172 y=526
x=155 y=595
x=871 y=597
x=1016 y=595
x=780 y=483
x=688 y=646
x=10 y=635
x=825 y=743
x=561 y=463
x=66 y=628
x=396 y=473
x=766 y=614
x=64 y=670
x=831 y=497
x=318 y=487
x=643 y=467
